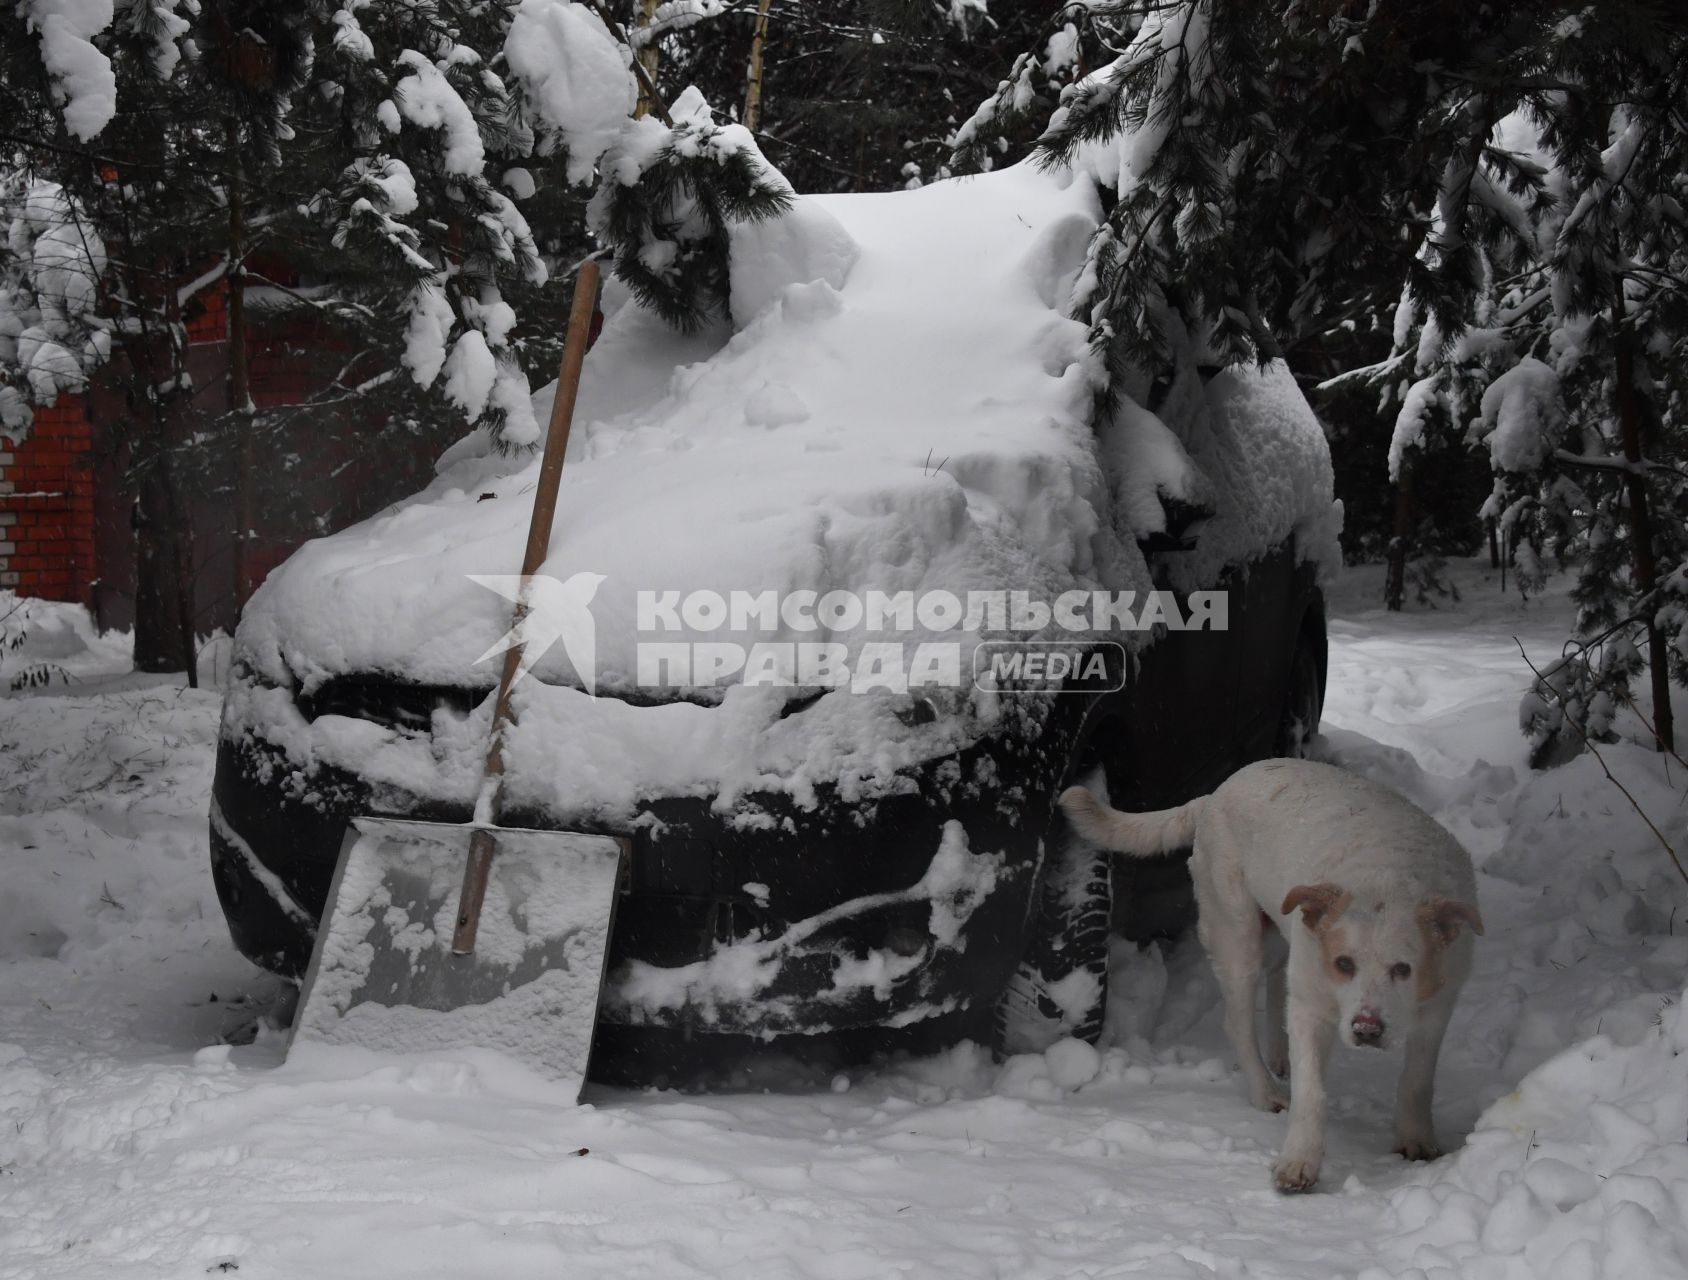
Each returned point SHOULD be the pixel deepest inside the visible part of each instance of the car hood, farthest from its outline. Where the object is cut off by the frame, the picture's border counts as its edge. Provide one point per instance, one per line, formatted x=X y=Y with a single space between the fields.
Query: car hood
x=903 y=406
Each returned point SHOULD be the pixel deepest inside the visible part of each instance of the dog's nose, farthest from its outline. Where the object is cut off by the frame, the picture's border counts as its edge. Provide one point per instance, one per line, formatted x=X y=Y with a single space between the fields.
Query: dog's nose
x=1368 y=1030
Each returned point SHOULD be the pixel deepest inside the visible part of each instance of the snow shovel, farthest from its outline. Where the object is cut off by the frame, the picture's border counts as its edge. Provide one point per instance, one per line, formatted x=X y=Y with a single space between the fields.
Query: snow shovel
x=445 y=936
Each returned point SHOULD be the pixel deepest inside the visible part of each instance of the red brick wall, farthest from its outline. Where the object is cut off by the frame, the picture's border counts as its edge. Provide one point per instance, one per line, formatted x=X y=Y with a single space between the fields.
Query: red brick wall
x=67 y=513
x=208 y=318
x=47 y=506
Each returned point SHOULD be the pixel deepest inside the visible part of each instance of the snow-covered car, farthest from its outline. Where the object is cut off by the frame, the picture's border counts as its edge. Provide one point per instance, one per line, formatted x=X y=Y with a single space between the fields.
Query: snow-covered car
x=844 y=838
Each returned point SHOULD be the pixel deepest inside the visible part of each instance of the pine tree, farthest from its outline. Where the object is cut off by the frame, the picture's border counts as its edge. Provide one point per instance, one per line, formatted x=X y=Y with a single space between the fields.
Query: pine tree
x=1278 y=169
x=1584 y=416
x=1566 y=370
x=387 y=146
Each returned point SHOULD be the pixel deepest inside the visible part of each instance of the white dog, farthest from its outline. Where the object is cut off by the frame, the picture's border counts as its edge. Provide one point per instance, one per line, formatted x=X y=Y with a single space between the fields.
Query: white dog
x=1379 y=952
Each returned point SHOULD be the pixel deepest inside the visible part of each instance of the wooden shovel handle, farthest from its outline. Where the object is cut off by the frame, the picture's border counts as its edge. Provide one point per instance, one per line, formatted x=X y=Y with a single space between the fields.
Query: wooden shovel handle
x=482 y=847
x=476 y=872
x=562 y=416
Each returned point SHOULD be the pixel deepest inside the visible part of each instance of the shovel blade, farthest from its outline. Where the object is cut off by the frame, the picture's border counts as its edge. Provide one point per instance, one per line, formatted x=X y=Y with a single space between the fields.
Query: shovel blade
x=383 y=976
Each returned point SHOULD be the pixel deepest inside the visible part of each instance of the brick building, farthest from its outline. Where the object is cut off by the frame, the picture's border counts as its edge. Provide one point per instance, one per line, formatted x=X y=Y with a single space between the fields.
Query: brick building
x=47 y=506
x=68 y=513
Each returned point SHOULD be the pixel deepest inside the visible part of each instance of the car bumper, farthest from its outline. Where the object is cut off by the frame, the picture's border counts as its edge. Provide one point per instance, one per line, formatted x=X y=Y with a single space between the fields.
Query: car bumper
x=913 y=908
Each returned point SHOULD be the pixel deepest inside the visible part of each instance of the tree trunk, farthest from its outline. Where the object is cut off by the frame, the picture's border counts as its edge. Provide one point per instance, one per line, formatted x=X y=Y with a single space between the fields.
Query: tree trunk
x=649 y=58
x=1640 y=515
x=753 y=78
x=1494 y=548
x=153 y=376
x=164 y=595
x=1395 y=582
x=157 y=626
x=240 y=391
x=181 y=549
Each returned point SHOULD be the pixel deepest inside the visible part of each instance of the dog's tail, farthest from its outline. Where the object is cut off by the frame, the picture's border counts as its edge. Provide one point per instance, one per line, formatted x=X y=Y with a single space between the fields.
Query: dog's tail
x=1142 y=835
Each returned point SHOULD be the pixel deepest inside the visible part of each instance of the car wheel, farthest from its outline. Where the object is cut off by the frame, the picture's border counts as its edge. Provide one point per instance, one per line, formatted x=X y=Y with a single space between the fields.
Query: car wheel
x=1060 y=988
x=1302 y=705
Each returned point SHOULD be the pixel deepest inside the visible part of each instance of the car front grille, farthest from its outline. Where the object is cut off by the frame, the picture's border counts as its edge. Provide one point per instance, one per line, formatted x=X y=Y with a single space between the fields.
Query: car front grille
x=406 y=707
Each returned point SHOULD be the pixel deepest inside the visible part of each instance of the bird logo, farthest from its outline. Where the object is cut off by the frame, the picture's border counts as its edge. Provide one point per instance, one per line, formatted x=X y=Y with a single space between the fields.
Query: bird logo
x=548 y=611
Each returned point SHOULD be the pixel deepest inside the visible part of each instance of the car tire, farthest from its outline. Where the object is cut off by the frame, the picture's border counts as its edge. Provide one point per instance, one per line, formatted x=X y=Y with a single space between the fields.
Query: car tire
x=1060 y=988
x=1303 y=702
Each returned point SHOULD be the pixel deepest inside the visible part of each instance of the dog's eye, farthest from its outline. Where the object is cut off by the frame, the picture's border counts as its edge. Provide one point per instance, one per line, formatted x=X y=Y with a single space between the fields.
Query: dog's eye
x=1345 y=965
x=1401 y=972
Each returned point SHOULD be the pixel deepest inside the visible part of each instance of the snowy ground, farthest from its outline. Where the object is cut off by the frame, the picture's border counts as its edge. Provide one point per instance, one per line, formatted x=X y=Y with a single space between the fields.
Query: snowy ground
x=133 y=1143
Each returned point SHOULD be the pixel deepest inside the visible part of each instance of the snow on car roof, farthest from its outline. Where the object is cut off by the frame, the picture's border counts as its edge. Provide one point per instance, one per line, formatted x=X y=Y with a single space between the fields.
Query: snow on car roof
x=901 y=405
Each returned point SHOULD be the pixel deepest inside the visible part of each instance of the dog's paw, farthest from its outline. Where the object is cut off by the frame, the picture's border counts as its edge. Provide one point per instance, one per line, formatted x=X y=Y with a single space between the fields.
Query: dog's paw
x=1294 y=1176
x=1419 y=1149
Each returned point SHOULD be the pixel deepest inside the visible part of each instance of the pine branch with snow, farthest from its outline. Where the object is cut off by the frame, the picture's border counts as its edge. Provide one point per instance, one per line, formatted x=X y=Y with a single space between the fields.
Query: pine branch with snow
x=1269 y=167
x=665 y=203
x=52 y=335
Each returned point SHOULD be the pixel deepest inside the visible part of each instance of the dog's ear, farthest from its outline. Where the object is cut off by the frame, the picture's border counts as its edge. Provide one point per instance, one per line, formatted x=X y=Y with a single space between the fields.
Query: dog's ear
x=1318 y=902
x=1441 y=918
